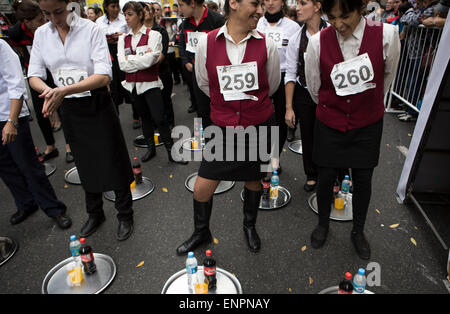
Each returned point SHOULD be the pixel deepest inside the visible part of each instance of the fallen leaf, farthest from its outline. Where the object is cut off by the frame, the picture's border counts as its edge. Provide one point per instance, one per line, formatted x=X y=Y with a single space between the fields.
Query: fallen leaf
x=66 y=186
x=231 y=201
x=409 y=134
x=413 y=241
x=290 y=290
x=378 y=211
x=415 y=227
x=388 y=145
x=171 y=176
x=284 y=149
x=216 y=241
x=394 y=226
x=304 y=248
x=165 y=190
x=310 y=281
x=140 y=264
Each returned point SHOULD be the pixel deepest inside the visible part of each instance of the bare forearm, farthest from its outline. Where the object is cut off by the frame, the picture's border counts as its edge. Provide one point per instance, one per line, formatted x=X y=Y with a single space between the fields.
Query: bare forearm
x=16 y=108
x=37 y=84
x=289 y=89
x=92 y=82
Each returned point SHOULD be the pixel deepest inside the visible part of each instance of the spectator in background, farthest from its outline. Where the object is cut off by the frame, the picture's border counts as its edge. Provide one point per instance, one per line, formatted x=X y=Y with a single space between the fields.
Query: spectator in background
x=93 y=13
x=440 y=15
x=158 y=11
x=389 y=11
x=175 y=9
x=213 y=6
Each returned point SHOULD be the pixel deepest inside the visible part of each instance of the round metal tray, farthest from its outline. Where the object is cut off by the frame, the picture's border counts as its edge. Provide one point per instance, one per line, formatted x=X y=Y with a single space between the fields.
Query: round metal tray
x=72 y=176
x=296 y=146
x=140 y=190
x=139 y=141
x=187 y=145
x=49 y=168
x=334 y=290
x=223 y=186
x=55 y=281
x=8 y=248
x=284 y=197
x=227 y=283
x=345 y=214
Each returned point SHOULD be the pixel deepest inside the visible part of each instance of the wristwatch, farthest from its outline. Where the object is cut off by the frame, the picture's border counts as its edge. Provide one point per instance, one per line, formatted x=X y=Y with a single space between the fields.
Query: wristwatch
x=16 y=124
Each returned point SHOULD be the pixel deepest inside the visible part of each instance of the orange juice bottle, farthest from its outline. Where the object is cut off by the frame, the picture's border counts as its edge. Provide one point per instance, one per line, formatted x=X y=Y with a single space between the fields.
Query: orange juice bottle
x=76 y=275
x=156 y=137
x=339 y=201
x=201 y=286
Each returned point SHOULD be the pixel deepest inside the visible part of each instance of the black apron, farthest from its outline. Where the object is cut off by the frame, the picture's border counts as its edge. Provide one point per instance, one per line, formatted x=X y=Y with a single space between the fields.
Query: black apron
x=93 y=131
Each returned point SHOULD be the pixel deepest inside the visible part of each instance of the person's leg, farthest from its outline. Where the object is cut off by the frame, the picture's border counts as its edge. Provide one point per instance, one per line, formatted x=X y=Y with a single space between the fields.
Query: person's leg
x=94 y=208
x=124 y=206
x=166 y=92
x=252 y=198
x=279 y=102
x=203 y=200
x=147 y=124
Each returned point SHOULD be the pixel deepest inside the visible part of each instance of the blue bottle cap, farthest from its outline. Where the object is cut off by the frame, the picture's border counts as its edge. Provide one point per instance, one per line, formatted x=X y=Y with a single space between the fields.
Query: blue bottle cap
x=191 y=254
x=361 y=271
x=347 y=177
x=275 y=173
x=73 y=237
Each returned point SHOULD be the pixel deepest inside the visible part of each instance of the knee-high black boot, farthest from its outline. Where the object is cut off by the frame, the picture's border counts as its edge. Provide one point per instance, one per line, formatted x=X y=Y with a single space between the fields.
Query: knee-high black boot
x=251 y=207
x=202 y=214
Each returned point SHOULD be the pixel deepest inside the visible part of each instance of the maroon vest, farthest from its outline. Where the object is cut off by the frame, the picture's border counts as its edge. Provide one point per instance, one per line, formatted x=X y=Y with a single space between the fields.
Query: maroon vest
x=147 y=75
x=354 y=111
x=240 y=112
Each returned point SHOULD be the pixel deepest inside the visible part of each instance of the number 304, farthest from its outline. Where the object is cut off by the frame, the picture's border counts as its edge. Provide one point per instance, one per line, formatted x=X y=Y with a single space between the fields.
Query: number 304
x=69 y=80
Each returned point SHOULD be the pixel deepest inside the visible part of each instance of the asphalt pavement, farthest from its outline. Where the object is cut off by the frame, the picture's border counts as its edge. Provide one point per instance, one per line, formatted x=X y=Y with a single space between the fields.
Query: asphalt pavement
x=286 y=263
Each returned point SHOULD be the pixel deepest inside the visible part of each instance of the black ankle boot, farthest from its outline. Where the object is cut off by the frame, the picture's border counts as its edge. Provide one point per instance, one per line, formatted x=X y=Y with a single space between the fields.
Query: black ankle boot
x=177 y=159
x=202 y=214
x=151 y=152
x=251 y=208
x=319 y=236
x=361 y=245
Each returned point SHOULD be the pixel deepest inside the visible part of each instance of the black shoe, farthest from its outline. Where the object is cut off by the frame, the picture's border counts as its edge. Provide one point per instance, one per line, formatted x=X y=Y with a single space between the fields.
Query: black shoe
x=63 y=221
x=309 y=187
x=151 y=152
x=21 y=215
x=178 y=158
x=251 y=207
x=319 y=236
x=361 y=245
x=291 y=135
x=202 y=214
x=192 y=109
x=69 y=157
x=91 y=225
x=54 y=153
x=124 y=230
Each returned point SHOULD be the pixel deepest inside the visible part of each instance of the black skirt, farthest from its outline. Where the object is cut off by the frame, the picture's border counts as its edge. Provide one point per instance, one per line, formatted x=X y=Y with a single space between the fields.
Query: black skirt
x=93 y=131
x=357 y=148
x=242 y=160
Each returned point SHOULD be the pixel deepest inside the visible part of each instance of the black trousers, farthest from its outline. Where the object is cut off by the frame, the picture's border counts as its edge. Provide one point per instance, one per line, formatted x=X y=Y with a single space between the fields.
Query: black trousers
x=279 y=102
x=174 y=67
x=25 y=176
x=123 y=204
x=203 y=103
x=305 y=113
x=166 y=92
x=362 y=190
x=189 y=79
x=44 y=123
x=150 y=107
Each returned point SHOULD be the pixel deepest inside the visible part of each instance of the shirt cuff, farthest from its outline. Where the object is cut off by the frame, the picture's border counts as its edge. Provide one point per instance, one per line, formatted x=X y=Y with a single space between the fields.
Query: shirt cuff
x=103 y=69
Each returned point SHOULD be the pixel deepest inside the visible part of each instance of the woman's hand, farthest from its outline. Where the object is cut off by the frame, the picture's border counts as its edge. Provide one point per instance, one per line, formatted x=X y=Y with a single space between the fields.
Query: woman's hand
x=53 y=100
x=290 y=118
x=9 y=133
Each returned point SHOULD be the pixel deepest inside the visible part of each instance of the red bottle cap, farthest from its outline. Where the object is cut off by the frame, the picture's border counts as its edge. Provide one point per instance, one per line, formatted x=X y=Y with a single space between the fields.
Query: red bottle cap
x=348 y=275
x=82 y=240
x=134 y=158
x=208 y=252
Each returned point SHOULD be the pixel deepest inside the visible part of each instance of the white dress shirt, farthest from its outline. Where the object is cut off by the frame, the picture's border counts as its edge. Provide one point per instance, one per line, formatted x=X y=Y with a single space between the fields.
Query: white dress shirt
x=85 y=48
x=12 y=84
x=288 y=27
x=119 y=25
x=236 y=52
x=350 y=49
x=138 y=62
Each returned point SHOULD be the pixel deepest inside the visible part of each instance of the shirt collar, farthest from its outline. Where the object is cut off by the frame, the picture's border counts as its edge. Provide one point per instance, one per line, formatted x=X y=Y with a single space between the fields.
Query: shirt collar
x=224 y=31
x=142 y=30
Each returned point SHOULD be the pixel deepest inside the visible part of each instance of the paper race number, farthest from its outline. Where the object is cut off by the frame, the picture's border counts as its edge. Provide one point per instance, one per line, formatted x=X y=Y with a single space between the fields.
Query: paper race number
x=66 y=77
x=276 y=34
x=237 y=79
x=353 y=76
x=193 y=38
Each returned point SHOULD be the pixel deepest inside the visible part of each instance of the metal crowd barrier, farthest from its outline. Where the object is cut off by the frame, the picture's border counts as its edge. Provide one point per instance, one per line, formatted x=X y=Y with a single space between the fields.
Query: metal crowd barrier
x=418 y=50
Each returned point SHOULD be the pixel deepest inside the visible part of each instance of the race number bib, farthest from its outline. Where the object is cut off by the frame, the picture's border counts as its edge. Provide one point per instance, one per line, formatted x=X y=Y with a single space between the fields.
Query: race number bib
x=276 y=34
x=353 y=76
x=235 y=80
x=193 y=38
x=66 y=77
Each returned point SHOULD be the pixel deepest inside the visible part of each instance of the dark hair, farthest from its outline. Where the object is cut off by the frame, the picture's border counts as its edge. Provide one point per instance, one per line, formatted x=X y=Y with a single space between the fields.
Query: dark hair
x=26 y=9
x=105 y=5
x=97 y=10
x=404 y=7
x=212 y=5
x=149 y=6
x=346 y=6
x=198 y=2
x=136 y=7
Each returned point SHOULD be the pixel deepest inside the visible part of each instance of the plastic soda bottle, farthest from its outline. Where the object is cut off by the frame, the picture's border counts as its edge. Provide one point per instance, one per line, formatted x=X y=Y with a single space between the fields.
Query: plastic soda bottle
x=191 y=270
x=360 y=281
x=346 y=286
x=209 y=268
x=137 y=170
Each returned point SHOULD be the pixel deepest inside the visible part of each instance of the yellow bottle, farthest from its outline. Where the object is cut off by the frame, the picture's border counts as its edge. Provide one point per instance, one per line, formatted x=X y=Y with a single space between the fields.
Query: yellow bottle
x=156 y=137
x=339 y=201
x=76 y=275
x=201 y=285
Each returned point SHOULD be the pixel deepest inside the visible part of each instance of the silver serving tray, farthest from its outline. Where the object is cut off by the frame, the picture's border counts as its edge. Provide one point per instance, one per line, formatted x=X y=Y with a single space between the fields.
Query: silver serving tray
x=49 y=168
x=284 y=197
x=296 y=147
x=223 y=186
x=227 y=283
x=72 y=176
x=8 y=248
x=334 y=290
x=55 y=281
x=139 y=141
x=140 y=190
x=345 y=214
x=187 y=145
